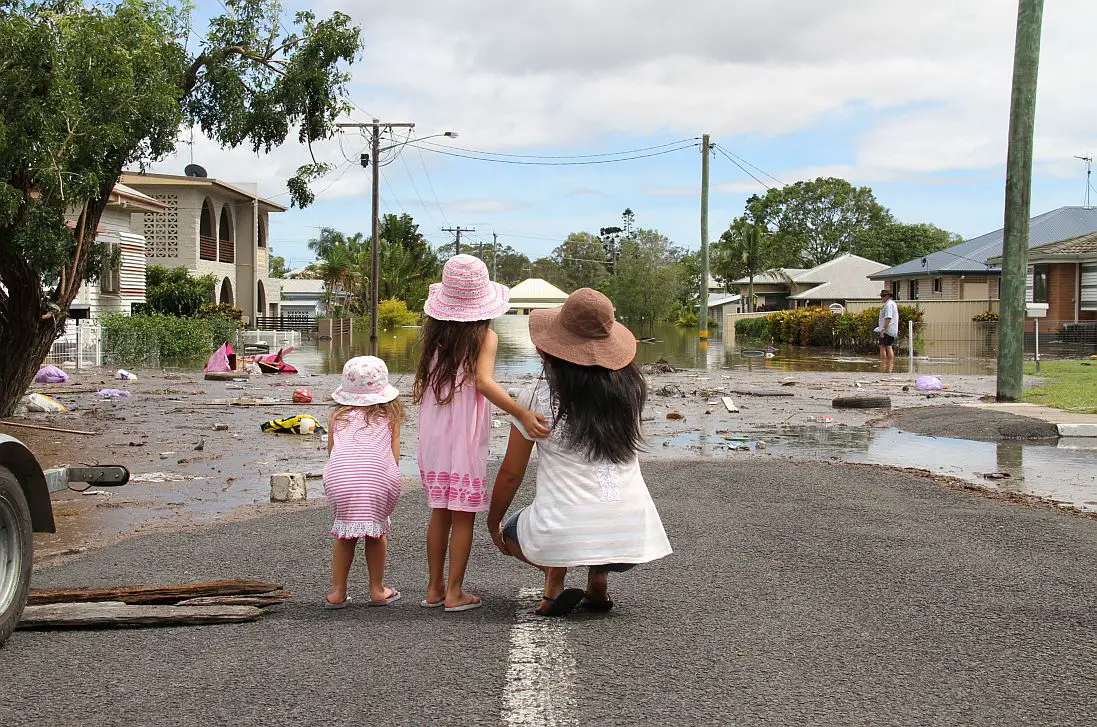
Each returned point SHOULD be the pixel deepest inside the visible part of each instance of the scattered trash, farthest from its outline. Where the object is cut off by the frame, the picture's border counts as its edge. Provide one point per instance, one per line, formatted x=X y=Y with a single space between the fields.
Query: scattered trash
x=670 y=390
x=201 y=444
x=759 y=445
x=137 y=444
x=102 y=493
x=302 y=396
x=826 y=419
x=662 y=366
x=124 y=375
x=50 y=374
x=996 y=475
x=675 y=415
x=862 y=402
x=729 y=404
x=235 y=387
x=225 y=376
x=43 y=403
x=250 y=367
x=220 y=427
x=788 y=383
x=222 y=360
x=299 y=424
x=113 y=393
x=928 y=383
x=288 y=487
x=157 y=477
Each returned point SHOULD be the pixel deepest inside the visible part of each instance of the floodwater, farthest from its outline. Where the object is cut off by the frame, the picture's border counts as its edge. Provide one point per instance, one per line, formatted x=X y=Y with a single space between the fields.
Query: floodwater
x=1064 y=471
x=678 y=346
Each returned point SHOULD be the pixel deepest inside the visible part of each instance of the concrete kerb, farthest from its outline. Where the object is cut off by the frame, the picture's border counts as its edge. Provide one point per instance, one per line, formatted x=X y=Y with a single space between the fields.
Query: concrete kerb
x=1069 y=424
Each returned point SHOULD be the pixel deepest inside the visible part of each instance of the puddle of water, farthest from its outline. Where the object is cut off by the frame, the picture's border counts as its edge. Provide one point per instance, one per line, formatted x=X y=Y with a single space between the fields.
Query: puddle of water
x=1064 y=472
x=679 y=346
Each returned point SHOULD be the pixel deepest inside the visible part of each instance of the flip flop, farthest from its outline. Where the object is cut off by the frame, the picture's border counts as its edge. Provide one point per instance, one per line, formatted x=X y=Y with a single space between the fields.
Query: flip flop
x=563 y=604
x=596 y=606
x=329 y=606
x=386 y=601
x=464 y=607
x=427 y=604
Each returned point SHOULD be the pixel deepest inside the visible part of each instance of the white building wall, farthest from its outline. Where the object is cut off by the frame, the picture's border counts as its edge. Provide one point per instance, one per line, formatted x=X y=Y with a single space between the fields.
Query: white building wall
x=117 y=231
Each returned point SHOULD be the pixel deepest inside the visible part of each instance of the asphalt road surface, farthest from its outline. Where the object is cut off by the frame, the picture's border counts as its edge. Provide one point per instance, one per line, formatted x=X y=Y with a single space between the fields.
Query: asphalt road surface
x=798 y=594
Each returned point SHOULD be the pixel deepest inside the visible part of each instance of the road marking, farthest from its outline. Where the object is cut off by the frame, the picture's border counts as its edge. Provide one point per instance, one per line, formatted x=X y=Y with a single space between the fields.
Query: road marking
x=541 y=669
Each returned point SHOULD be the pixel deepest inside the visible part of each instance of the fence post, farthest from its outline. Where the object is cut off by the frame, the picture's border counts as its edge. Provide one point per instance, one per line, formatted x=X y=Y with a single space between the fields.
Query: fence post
x=910 y=344
x=78 y=345
x=1036 y=323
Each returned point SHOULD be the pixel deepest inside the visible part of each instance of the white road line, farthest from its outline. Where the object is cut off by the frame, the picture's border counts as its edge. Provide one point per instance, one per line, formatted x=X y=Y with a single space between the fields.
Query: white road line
x=541 y=671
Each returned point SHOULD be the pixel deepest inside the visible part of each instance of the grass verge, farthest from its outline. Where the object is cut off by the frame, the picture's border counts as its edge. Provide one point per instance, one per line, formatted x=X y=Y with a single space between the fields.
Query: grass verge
x=1070 y=385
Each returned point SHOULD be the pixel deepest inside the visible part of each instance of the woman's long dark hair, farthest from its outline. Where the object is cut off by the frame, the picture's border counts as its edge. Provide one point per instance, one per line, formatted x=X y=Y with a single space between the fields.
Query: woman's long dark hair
x=598 y=409
x=449 y=349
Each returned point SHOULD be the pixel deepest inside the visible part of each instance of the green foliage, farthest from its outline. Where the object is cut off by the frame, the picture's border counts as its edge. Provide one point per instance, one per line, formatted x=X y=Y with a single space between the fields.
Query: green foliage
x=221 y=310
x=582 y=259
x=408 y=263
x=1066 y=384
x=987 y=315
x=154 y=338
x=175 y=292
x=817 y=326
x=645 y=280
x=690 y=319
x=393 y=313
x=895 y=243
x=276 y=266
x=746 y=250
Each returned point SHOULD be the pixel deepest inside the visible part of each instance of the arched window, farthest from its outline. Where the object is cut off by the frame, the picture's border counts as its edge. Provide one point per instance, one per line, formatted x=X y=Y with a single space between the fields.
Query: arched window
x=207 y=232
x=261 y=299
x=226 y=292
x=262 y=232
x=226 y=251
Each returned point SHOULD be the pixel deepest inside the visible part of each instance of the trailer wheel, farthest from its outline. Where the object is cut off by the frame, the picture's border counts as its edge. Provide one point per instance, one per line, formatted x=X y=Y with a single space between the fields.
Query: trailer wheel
x=862 y=402
x=16 y=552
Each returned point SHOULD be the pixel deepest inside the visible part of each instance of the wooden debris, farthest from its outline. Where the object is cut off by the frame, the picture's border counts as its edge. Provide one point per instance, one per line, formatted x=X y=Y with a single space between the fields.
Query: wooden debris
x=729 y=404
x=261 y=601
x=675 y=415
x=225 y=375
x=116 y=615
x=48 y=429
x=761 y=392
x=151 y=594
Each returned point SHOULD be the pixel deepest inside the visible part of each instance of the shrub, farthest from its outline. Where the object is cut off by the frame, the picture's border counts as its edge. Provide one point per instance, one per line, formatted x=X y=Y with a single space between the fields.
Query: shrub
x=393 y=313
x=987 y=315
x=817 y=326
x=222 y=310
x=174 y=292
x=689 y=319
x=753 y=327
x=154 y=337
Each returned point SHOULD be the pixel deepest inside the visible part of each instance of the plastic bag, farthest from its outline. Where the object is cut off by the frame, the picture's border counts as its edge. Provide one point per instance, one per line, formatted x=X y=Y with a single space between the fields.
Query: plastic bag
x=50 y=375
x=928 y=383
x=113 y=393
x=41 y=402
x=302 y=396
x=125 y=375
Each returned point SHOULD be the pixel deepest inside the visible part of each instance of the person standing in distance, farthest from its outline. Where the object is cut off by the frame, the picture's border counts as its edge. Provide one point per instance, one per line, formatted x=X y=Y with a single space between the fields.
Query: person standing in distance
x=888 y=331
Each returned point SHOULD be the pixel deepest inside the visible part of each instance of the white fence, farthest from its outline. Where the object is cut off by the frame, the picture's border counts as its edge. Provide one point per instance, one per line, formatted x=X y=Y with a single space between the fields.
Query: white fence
x=274 y=339
x=80 y=346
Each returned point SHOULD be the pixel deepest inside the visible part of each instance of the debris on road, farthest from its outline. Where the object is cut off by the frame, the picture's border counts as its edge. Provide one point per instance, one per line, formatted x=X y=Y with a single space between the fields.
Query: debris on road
x=729 y=404
x=113 y=393
x=929 y=383
x=43 y=403
x=220 y=427
x=675 y=415
x=761 y=392
x=50 y=374
x=119 y=615
x=662 y=366
x=862 y=402
x=302 y=396
x=288 y=487
x=151 y=595
x=124 y=375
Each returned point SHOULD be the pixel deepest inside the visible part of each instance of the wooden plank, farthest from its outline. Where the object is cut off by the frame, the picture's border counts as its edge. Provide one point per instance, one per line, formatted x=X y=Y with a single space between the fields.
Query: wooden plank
x=113 y=615
x=48 y=429
x=267 y=599
x=151 y=594
x=732 y=409
x=761 y=392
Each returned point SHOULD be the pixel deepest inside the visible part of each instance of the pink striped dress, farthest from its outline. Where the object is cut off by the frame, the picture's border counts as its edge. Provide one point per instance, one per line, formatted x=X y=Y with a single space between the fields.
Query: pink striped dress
x=361 y=477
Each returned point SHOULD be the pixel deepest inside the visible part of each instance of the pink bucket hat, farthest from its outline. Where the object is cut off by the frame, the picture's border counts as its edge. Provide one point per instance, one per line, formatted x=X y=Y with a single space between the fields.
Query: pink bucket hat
x=365 y=383
x=466 y=293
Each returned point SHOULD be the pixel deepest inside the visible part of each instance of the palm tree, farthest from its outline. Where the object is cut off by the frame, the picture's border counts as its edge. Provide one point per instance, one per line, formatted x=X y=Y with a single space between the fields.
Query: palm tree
x=745 y=249
x=339 y=270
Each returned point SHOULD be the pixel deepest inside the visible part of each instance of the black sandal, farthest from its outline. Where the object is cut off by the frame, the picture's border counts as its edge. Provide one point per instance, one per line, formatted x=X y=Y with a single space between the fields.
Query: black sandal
x=596 y=606
x=563 y=604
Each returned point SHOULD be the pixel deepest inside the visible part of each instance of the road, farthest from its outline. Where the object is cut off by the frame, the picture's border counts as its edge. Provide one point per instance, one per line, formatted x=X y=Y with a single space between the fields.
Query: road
x=799 y=594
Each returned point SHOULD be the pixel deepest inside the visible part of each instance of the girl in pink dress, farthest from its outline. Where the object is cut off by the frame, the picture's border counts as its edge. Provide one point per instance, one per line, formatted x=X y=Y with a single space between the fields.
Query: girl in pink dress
x=362 y=477
x=453 y=385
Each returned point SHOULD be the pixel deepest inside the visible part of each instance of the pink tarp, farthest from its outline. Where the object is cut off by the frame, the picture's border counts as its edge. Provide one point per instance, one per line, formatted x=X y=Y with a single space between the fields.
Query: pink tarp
x=223 y=359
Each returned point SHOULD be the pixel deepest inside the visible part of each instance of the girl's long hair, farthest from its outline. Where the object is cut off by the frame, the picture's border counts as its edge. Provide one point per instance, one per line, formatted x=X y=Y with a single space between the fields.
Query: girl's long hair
x=597 y=409
x=393 y=411
x=448 y=356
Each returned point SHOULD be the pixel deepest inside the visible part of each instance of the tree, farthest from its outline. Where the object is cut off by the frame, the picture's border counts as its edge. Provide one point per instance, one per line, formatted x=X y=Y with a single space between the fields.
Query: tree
x=582 y=257
x=646 y=281
x=813 y=222
x=277 y=266
x=745 y=250
x=408 y=263
x=548 y=269
x=175 y=292
x=897 y=242
x=90 y=89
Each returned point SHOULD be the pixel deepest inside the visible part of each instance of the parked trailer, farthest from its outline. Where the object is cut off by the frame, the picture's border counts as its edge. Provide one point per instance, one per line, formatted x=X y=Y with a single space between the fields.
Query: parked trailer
x=25 y=509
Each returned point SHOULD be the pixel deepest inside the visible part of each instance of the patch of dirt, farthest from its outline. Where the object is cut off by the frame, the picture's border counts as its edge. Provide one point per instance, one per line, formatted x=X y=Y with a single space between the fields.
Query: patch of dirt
x=962 y=422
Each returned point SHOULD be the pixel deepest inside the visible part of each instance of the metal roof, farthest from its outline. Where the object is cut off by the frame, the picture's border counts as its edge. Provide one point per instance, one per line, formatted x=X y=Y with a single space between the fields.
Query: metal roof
x=843 y=278
x=971 y=256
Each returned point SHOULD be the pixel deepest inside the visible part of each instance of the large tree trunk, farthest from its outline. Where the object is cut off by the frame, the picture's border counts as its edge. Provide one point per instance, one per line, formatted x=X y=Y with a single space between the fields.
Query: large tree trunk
x=26 y=329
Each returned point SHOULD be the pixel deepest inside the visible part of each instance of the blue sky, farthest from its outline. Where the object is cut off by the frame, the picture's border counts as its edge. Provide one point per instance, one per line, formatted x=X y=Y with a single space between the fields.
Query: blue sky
x=911 y=100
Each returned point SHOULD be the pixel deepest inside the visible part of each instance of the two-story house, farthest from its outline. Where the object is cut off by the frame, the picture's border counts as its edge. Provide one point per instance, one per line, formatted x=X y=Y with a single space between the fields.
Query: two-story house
x=211 y=226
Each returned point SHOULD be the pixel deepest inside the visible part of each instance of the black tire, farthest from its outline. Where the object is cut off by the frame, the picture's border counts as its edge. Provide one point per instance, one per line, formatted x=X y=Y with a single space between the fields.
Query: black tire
x=862 y=402
x=16 y=552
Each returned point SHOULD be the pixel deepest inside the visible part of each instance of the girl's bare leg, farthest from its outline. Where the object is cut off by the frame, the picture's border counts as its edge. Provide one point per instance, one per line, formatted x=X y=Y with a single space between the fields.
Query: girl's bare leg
x=460 y=547
x=376 y=551
x=437 y=543
x=342 y=555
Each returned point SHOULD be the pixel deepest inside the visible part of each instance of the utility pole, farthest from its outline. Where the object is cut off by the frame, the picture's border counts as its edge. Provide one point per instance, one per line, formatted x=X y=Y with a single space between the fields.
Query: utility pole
x=494 y=257
x=1022 y=114
x=702 y=314
x=375 y=246
x=458 y=230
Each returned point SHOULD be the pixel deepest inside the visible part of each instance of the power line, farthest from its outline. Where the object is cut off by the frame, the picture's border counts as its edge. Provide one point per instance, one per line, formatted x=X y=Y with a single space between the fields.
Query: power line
x=426 y=174
x=763 y=172
x=744 y=169
x=564 y=156
x=417 y=195
x=554 y=164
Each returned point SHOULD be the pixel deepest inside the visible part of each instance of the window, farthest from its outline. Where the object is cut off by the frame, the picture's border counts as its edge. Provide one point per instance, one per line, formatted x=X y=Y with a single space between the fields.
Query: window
x=110 y=279
x=936 y=285
x=914 y=290
x=895 y=288
x=1039 y=283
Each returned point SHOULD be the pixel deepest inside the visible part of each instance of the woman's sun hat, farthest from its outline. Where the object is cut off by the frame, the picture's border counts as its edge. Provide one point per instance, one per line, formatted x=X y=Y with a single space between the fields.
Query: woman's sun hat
x=365 y=383
x=583 y=331
x=466 y=293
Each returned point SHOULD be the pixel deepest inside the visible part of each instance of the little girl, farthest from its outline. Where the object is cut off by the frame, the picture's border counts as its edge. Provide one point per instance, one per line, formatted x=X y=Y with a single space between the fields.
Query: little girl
x=453 y=385
x=362 y=477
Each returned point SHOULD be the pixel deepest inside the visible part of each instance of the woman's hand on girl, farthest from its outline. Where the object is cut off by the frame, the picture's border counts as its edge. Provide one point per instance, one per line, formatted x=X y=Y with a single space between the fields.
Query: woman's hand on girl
x=535 y=424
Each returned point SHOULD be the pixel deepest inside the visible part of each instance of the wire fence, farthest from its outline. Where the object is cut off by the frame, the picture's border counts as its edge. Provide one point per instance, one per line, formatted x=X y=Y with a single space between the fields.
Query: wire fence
x=79 y=346
x=979 y=339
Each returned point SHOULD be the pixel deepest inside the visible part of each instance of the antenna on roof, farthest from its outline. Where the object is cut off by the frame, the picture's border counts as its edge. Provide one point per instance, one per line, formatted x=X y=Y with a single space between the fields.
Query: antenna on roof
x=1089 y=170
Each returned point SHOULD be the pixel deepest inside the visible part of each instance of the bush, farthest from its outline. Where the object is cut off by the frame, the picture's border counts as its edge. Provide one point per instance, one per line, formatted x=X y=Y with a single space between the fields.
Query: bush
x=393 y=313
x=154 y=337
x=817 y=326
x=987 y=315
x=220 y=310
x=689 y=319
x=175 y=293
x=753 y=327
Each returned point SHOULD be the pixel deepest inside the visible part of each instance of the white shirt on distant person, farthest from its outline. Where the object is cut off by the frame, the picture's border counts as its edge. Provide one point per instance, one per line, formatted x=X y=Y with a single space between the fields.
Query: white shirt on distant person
x=890 y=310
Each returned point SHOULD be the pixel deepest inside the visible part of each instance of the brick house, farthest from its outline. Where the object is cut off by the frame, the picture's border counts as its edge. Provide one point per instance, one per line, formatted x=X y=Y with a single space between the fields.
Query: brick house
x=211 y=226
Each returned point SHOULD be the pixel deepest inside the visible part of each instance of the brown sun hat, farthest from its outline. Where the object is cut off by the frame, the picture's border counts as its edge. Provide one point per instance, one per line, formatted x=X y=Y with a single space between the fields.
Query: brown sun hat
x=583 y=331
x=885 y=292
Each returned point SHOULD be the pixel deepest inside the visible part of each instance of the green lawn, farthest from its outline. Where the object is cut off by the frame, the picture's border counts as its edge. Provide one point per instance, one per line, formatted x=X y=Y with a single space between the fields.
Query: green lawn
x=1070 y=385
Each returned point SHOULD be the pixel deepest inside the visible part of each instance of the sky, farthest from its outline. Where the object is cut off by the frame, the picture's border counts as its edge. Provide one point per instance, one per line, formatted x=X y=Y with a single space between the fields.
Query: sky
x=911 y=99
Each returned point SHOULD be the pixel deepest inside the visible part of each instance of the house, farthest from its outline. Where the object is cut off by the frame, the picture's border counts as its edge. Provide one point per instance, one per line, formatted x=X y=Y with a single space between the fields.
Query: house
x=122 y=286
x=535 y=294
x=211 y=226
x=302 y=297
x=971 y=270
x=722 y=303
x=1063 y=274
x=839 y=280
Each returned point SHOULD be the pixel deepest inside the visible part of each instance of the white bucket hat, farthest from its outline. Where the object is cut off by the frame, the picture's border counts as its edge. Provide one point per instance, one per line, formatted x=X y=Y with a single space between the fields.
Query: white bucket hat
x=365 y=383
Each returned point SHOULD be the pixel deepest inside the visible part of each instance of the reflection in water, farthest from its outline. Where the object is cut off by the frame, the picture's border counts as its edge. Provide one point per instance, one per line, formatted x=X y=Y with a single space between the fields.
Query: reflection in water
x=681 y=347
